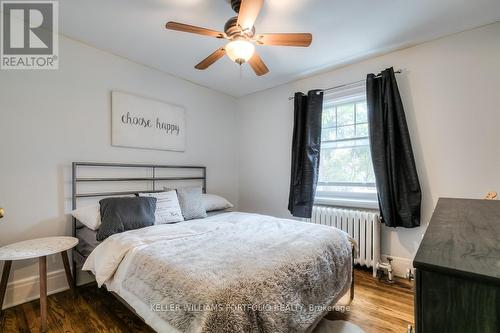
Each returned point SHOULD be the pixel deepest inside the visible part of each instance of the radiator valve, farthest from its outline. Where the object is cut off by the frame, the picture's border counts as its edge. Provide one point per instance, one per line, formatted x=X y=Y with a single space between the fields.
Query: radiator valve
x=386 y=267
x=409 y=275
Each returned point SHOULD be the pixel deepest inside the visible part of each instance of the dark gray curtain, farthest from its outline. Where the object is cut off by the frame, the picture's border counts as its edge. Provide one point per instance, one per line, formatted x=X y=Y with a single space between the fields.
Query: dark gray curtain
x=395 y=172
x=305 y=152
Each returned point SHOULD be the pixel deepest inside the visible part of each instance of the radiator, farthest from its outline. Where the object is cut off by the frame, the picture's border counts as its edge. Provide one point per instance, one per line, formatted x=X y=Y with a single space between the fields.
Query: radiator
x=362 y=226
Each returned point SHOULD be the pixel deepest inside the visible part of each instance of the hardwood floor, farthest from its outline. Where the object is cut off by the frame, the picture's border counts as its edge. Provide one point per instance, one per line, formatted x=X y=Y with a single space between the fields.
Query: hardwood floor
x=377 y=307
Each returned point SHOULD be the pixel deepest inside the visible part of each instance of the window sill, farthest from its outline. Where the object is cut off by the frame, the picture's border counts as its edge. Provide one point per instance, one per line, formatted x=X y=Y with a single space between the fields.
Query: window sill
x=347 y=202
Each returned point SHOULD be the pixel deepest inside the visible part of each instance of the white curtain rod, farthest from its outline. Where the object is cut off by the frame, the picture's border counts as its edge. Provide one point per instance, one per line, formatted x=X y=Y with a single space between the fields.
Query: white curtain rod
x=399 y=71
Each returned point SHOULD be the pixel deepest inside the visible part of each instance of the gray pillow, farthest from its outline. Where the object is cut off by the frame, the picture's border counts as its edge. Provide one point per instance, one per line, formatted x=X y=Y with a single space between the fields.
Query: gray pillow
x=126 y=213
x=191 y=203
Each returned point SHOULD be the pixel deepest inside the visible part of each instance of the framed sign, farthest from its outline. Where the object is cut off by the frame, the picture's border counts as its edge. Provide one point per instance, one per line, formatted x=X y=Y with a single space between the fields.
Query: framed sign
x=140 y=122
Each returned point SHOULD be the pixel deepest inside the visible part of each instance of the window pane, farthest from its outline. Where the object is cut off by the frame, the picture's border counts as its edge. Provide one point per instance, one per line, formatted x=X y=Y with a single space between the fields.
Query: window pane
x=361 y=112
x=345 y=132
x=346 y=169
x=351 y=164
x=345 y=114
x=361 y=130
x=328 y=118
x=328 y=134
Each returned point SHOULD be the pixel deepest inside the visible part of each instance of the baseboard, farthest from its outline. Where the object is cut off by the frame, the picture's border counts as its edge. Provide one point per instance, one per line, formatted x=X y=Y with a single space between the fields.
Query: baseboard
x=28 y=289
x=400 y=265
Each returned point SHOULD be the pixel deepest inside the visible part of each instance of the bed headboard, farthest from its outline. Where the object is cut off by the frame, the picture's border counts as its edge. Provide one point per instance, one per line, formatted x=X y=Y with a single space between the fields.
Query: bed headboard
x=121 y=179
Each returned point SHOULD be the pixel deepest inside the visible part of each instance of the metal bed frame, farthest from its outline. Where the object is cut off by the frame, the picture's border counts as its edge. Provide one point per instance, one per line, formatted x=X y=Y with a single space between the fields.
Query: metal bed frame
x=77 y=166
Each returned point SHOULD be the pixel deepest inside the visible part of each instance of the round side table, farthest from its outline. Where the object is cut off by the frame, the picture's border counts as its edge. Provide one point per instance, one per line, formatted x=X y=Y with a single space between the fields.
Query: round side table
x=37 y=248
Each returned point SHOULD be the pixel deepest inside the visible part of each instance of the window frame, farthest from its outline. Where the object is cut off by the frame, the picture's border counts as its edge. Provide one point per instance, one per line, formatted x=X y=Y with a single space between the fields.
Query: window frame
x=347 y=94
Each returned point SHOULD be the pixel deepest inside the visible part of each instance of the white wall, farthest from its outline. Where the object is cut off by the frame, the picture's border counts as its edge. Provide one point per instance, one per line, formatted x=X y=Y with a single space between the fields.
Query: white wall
x=50 y=118
x=450 y=90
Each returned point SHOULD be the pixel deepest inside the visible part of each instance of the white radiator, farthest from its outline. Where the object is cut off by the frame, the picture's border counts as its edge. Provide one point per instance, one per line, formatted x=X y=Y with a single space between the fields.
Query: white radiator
x=363 y=226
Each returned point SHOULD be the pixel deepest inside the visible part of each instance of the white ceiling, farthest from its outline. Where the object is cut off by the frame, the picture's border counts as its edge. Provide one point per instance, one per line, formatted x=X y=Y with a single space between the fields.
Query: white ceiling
x=343 y=31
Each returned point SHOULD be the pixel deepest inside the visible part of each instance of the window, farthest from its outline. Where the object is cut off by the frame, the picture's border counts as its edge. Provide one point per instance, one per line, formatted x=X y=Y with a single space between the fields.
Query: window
x=346 y=172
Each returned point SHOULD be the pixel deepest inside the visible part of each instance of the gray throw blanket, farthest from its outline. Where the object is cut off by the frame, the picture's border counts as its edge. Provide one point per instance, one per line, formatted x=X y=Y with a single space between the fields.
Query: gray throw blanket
x=244 y=273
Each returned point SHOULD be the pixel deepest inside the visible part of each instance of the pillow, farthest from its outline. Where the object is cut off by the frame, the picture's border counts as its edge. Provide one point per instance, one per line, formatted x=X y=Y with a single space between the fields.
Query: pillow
x=216 y=212
x=126 y=213
x=214 y=202
x=167 y=207
x=191 y=203
x=90 y=216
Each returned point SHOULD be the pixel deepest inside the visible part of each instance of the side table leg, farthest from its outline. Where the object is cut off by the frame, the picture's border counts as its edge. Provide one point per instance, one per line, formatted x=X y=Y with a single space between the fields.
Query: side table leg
x=5 y=277
x=67 y=269
x=43 y=293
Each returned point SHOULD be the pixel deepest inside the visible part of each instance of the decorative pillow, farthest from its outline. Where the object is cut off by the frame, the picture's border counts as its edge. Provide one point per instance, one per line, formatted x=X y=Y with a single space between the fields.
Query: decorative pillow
x=90 y=216
x=191 y=203
x=126 y=213
x=167 y=207
x=214 y=202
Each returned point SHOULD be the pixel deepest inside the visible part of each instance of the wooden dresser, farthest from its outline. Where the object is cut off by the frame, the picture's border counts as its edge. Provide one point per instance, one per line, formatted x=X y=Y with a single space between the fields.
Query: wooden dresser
x=457 y=265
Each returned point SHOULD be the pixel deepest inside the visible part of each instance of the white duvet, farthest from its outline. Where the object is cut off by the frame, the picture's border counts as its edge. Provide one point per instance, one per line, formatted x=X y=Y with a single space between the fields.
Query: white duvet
x=108 y=255
x=223 y=259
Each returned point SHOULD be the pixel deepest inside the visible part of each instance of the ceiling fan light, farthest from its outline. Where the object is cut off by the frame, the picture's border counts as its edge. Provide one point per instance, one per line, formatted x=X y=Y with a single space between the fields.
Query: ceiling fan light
x=240 y=51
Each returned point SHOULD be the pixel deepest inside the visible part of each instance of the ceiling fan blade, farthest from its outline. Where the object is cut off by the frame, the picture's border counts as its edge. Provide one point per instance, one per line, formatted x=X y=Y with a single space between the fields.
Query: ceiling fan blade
x=205 y=63
x=258 y=66
x=291 y=39
x=194 y=30
x=249 y=10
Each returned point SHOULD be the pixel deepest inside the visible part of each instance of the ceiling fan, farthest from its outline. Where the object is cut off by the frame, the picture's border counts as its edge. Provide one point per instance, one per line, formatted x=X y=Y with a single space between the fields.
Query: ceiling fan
x=240 y=32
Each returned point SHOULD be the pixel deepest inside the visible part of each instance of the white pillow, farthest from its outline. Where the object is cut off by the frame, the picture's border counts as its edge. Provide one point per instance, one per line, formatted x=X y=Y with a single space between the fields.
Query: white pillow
x=167 y=207
x=215 y=202
x=90 y=216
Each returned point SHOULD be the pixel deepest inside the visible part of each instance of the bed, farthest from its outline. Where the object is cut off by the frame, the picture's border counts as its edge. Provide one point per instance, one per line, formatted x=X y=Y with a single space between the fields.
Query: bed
x=229 y=272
